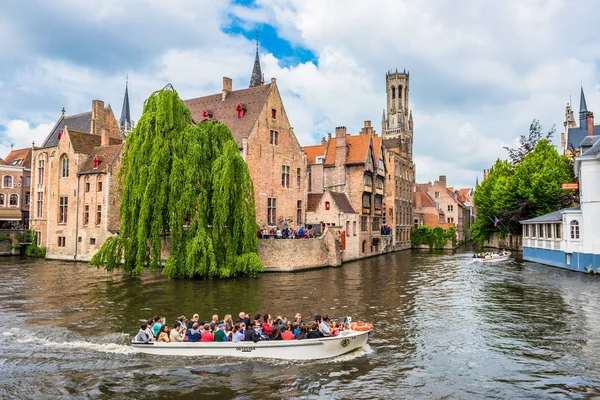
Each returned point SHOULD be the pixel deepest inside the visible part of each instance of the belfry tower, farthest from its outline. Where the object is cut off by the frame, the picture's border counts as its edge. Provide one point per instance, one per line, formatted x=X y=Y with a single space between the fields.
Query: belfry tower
x=397 y=121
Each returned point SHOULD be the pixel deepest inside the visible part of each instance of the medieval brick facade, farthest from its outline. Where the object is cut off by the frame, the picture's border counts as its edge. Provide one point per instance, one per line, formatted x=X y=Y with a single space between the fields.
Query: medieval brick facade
x=259 y=123
x=71 y=205
x=15 y=189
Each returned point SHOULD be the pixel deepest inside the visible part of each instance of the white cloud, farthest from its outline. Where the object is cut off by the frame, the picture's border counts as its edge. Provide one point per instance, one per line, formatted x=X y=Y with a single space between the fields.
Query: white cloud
x=21 y=135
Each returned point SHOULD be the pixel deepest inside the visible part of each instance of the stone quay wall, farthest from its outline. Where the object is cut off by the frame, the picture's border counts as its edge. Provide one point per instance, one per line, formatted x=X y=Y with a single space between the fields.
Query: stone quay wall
x=280 y=255
x=509 y=242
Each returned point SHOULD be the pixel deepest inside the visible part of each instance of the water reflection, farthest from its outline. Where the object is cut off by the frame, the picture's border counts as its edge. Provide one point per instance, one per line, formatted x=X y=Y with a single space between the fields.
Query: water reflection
x=445 y=328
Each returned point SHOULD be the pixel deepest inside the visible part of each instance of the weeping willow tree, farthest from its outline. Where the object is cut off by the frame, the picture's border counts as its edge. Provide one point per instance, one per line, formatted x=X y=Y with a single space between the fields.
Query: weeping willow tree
x=185 y=189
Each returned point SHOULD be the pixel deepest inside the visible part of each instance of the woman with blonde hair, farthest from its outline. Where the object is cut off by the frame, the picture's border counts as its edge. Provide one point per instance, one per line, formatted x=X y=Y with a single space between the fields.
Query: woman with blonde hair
x=228 y=321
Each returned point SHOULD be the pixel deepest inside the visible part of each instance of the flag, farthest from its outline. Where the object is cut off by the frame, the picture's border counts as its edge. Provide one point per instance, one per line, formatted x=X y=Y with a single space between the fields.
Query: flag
x=496 y=220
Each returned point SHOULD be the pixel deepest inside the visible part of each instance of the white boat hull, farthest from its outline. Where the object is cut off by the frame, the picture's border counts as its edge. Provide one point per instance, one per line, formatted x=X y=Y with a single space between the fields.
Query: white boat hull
x=494 y=259
x=307 y=349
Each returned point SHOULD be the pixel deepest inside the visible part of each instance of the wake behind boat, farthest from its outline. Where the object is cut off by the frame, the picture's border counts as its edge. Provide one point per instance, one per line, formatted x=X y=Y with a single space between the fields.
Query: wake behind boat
x=307 y=349
x=492 y=257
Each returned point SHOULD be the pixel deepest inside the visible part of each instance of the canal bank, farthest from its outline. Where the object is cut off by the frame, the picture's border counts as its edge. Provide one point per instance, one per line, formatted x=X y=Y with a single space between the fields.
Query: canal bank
x=445 y=327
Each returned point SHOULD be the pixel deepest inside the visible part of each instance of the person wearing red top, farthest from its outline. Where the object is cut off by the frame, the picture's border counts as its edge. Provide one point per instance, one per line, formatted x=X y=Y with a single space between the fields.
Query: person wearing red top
x=267 y=325
x=288 y=334
x=207 y=335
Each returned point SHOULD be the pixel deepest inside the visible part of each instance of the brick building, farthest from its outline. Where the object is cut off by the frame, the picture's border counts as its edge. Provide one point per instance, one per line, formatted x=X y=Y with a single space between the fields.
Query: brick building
x=260 y=126
x=397 y=134
x=15 y=191
x=447 y=201
x=75 y=202
x=353 y=166
x=427 y=212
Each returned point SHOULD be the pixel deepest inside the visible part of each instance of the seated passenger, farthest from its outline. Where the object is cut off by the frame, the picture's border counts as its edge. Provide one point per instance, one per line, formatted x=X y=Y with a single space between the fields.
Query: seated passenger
x=142 y=335
x=158 y=322
x=228 y=321
x=296 y=329
x=288 y=334
x=163 y=334
x=237 y=335
x=275 y=333
x=207 y=335
x=176 y=333
x=335 y=329
x=194 y=334
x=325 y=325
x=314 y=331
x=214 y=323
x=220 y=334
x=302 y=334
x=149 y=330
x=267 y=324
x=251 y=335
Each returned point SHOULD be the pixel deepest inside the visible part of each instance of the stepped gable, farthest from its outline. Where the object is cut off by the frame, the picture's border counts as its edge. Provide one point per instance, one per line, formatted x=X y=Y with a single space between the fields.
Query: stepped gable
x=83 y=142
x=106 y=157
x=312 y=152
x=253 y=99
x=21 y=158
x=358 y=148
x=313 y=201
x=342 y=202
x=78 y=122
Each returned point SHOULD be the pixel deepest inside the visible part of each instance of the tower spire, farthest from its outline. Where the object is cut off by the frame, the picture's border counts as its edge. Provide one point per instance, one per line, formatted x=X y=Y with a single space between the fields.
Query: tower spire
x=256 y=78
x=125 y=120
x=582 y=111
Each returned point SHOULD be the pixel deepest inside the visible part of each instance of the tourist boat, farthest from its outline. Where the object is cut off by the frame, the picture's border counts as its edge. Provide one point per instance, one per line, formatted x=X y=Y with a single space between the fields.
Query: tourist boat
x=493 y=258
x=308 y=349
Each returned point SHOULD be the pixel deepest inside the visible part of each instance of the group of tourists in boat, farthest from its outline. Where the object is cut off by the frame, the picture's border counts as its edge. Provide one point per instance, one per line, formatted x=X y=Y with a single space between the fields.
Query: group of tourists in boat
x=502 y=254
x=261 y=328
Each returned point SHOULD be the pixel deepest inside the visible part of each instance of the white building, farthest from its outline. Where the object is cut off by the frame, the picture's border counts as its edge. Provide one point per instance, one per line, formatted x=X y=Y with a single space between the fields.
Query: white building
x=570 y=238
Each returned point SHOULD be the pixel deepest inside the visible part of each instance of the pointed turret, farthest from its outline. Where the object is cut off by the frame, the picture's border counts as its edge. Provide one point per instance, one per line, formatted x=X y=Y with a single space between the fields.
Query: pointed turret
x=410 y=121
x=257 y=77
x=125 y=121
x=582 y=112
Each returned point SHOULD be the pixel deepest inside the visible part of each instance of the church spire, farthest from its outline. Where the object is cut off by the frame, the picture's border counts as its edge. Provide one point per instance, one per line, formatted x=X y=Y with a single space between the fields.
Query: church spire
x=256 y=78
x=125 y=120
x=582 y=111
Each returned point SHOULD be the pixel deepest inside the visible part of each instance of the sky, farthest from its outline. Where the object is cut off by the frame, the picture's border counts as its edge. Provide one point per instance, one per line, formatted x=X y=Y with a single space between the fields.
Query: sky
x=480 y=71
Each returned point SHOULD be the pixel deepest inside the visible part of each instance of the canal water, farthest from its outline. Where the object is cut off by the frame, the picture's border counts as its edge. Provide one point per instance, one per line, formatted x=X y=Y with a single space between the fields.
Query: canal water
x=444 y=328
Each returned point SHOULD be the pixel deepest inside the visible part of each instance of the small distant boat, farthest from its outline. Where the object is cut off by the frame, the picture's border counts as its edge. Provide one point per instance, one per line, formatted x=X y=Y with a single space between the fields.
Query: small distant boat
x=306 y=349
x=493 y=257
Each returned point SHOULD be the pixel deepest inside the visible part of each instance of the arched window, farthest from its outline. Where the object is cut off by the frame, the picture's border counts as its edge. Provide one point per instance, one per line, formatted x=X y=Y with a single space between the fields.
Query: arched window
x=14 y=200
x=64 y=164
x=2 y=200
x=400 y=92
x=393 y=92
x=7 y=182
x=574 y=229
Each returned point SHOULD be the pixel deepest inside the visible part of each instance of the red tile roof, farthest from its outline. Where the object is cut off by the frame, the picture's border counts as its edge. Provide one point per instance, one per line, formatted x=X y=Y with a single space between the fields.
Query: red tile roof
x=376 y=148
x=253 y=99
x=358 y=147
x=312 y=152
x=20 y=157
x=342 y=202
x=106 y=156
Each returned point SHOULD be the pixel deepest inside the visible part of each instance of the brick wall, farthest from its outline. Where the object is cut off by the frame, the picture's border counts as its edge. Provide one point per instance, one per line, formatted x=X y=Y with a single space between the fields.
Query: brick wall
x=265 y=161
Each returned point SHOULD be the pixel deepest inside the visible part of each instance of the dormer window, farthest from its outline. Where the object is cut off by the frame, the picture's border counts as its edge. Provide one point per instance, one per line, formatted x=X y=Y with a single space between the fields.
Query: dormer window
x=240 y=110
x=206 y=114
x=273 y=113
x=96 y=162
x=320 y=159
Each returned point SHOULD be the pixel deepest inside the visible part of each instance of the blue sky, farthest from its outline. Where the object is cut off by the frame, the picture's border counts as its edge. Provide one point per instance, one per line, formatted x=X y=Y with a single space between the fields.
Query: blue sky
x=480 y=71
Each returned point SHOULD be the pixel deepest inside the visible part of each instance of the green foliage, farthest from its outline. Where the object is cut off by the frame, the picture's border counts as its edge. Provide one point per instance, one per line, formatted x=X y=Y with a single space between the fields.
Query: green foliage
x=528 y=143
x=525 y=190
x=433 y=237
x=32 y=249
x=188 y=184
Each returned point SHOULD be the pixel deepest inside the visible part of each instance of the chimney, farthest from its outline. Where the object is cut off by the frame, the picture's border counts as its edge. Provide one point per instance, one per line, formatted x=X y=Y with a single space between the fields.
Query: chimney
x=443 y=180
x=367 y=129
x=341 y=149
x=105 y=138
x=323 y=140
x=590 y=123
x=328 y=136
x=227 y=87
x=97 y=117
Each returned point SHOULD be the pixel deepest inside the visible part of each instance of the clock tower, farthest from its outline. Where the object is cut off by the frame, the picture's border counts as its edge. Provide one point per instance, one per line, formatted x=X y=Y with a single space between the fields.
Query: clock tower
x=397 y=124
